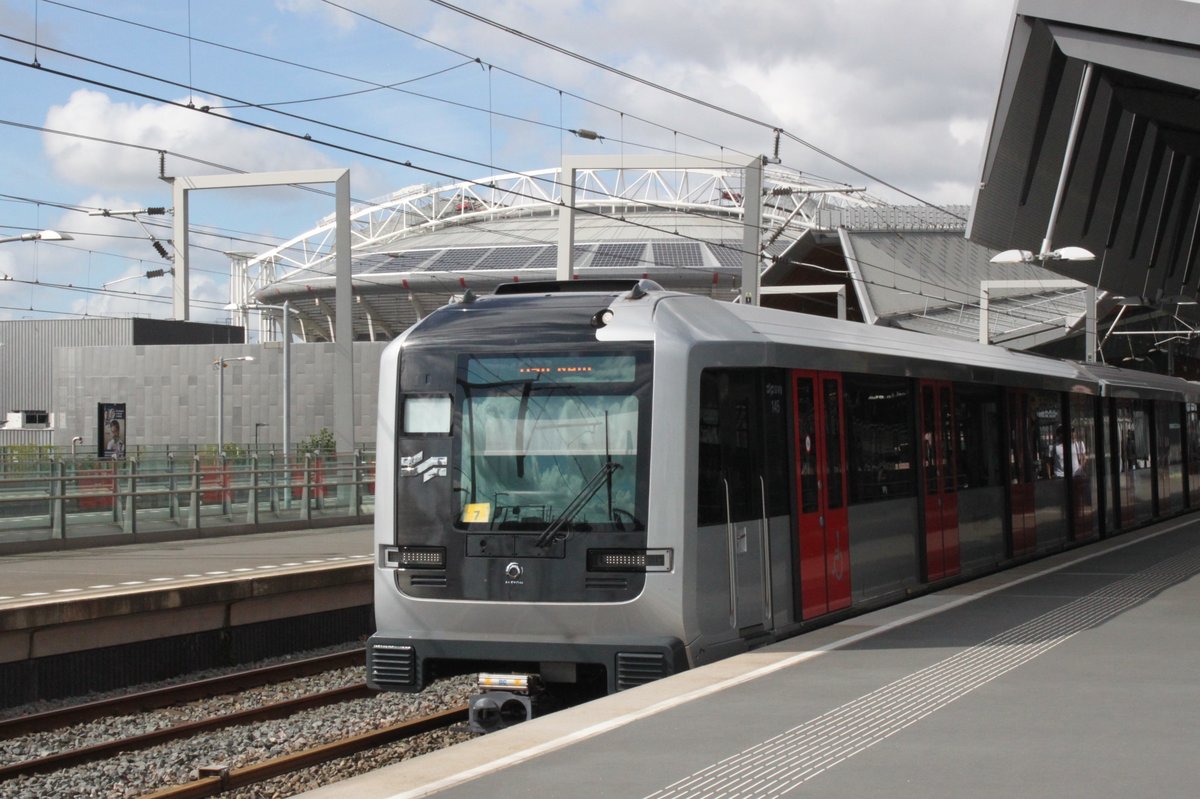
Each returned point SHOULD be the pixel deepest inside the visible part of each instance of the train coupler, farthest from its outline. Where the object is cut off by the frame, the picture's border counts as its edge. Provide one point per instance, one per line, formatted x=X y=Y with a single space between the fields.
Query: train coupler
x=503 y=700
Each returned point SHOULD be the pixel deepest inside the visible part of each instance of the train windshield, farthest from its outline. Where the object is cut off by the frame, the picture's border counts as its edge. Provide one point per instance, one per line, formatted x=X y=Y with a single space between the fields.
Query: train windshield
x=553 y=443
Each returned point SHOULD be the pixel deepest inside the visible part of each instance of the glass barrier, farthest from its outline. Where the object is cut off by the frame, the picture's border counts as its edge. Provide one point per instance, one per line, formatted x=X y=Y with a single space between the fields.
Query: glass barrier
x=46 y=496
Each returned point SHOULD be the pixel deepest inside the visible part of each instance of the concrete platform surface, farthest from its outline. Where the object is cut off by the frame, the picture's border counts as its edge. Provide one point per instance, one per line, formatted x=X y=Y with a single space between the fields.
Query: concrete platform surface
x=1075 y=676
x=48 y=576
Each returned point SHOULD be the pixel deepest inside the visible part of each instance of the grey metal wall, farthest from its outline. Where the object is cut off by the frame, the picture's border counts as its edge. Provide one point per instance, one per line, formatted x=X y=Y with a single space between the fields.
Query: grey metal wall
x=25 y=379
x=170 y=392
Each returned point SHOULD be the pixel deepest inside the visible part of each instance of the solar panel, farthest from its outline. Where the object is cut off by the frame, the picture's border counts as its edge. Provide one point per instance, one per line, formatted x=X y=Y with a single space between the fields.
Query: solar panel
x=548 y=257
x=727 y=252
x=619 y=254
x=370 y=262
x=407 y=261
x=454 y=260
x=677 y=253
x=510 y=257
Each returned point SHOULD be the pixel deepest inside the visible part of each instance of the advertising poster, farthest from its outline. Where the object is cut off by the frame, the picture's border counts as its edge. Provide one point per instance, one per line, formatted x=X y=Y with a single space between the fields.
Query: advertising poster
x=112 y=429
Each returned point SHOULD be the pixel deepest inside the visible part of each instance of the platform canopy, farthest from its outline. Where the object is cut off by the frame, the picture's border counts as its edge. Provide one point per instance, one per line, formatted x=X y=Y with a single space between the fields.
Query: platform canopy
x=1125 y=77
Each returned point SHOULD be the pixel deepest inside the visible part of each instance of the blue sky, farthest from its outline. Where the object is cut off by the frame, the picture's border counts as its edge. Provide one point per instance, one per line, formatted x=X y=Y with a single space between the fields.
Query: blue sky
x=900 y=90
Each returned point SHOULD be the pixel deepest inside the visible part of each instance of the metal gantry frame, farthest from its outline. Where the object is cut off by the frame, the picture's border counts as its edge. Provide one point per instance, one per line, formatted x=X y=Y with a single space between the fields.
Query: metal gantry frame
x=343 y=397
x=751 y=211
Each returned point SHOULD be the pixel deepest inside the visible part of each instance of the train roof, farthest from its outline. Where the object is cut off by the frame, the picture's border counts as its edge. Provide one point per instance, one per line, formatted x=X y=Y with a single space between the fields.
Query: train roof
x=647 y=312
x=1116 y=382
x=836 y=344
x=873 y=348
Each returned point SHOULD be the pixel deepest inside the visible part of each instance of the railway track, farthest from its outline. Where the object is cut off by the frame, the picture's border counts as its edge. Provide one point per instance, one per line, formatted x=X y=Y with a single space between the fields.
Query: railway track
x=188 y=738
x=176 y=694
x=275 y=710
x=216 y=780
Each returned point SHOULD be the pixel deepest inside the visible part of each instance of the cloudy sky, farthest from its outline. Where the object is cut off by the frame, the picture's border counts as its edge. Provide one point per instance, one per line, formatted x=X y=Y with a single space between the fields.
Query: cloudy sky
x=898 y=92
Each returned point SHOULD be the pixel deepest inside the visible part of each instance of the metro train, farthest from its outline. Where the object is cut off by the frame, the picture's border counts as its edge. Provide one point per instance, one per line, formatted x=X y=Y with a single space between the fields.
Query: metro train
x=603 y=484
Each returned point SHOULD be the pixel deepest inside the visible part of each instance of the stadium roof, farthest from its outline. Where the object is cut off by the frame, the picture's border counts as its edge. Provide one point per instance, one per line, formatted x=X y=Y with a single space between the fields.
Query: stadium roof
x=423 y=246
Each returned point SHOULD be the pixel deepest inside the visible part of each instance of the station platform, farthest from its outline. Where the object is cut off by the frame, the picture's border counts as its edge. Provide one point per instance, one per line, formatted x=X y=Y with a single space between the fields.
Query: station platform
x=1072 y=676
x=81 y=620
x=38 y=577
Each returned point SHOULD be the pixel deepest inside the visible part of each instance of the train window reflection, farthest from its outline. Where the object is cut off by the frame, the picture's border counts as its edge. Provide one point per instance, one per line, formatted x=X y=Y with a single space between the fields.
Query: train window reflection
x=879 y=435
x=535 y=447
x=743 y=445
x=977 y=415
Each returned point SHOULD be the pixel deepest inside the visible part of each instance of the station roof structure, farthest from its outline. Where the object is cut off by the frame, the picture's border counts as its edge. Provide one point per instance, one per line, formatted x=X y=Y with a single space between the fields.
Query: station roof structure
x=423 y=246
x=1126 y=186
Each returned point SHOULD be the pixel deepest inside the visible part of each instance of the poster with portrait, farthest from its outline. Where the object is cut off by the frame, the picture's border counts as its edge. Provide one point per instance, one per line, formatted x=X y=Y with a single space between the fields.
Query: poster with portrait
x=113 y=429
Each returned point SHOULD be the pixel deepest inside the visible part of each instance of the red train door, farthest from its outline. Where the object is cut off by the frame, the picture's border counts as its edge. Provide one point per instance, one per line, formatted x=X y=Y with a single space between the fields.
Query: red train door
x=822 y=526
x=939 y=479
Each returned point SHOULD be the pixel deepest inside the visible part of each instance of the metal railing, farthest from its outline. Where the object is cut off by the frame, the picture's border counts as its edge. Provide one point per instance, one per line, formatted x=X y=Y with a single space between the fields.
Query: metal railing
x=46 y=498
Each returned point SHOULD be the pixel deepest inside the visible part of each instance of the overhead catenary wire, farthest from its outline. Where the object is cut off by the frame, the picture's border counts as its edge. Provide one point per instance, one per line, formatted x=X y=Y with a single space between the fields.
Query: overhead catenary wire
x=365 y=279
x=775 y=127
x=446 y=175
x=527 y=37
x=397 y=86
x=204 y=230
x=308 y=137
x=262 y=126
x=946 y=291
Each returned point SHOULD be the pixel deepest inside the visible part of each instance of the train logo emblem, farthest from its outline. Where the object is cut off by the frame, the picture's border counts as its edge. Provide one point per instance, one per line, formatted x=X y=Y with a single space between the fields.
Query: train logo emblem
x=412 y=465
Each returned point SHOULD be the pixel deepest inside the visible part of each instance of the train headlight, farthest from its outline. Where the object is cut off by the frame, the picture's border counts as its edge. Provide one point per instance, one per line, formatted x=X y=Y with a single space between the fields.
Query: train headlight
x=630 y=560
x=412 y=557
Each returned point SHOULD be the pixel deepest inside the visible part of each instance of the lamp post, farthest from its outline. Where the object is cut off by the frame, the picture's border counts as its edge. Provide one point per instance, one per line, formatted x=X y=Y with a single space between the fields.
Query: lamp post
x=219 y=363
x=40 y=235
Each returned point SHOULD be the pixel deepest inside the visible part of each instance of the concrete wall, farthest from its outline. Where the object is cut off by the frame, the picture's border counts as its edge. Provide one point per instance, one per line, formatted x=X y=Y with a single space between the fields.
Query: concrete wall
x=29 y=345
x=170 y=392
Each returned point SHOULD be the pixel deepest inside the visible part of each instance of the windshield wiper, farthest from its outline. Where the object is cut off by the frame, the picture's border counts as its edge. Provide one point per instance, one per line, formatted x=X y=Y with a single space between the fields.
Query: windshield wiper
x=575 y=505
x=522 y=410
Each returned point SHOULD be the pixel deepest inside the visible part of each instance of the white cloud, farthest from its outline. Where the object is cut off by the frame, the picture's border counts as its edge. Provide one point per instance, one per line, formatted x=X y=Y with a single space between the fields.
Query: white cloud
x=903 y=90
x=211 y=136
x=342 y=20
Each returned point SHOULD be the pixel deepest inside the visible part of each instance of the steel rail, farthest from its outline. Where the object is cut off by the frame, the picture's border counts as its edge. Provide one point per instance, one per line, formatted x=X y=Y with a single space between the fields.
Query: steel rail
x=100 y=751
x=176 y=694
x=219 y=779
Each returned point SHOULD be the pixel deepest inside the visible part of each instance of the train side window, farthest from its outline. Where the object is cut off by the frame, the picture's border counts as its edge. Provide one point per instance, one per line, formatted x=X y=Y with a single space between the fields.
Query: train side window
x=743 y=424
x=710 y=493
x=833 y=444
x=806 y=416
x=880 y=438
x=427 y=415
x=1192 y=450
x=977 y=416
x=1045 y=410
x=776 y=443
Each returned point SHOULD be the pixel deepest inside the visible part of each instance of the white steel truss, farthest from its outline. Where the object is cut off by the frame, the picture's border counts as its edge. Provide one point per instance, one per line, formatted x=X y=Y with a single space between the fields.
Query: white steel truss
x=790 y=201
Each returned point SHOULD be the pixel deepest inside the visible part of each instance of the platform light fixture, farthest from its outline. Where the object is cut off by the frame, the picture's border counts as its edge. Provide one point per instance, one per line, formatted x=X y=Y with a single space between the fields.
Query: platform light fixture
x=1030 y=257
